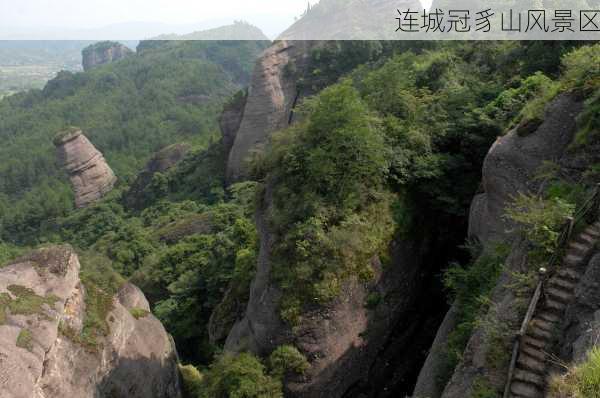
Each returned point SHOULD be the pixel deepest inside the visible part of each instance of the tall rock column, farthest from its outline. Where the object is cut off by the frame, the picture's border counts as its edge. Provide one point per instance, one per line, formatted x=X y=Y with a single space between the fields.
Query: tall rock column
x=90 y=175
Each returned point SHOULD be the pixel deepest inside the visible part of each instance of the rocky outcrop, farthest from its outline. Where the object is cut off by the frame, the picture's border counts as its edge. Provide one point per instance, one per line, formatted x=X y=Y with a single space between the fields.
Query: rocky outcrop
x=344 y=340
x=90 y=175
x=231 y=118
x=41 y=297
x=165 y=159
x=582 y=321
x=509 y=168
x=271 y=99
x=513 y=162
x=103 y=53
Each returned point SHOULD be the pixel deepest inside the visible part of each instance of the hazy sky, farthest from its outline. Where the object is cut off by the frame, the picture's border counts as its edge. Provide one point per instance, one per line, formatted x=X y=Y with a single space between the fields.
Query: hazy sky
x=138 y=19
x=95 y=13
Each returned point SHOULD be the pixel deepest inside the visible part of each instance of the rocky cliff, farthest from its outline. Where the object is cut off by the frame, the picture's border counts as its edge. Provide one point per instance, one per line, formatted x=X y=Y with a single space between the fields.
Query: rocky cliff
x=350 y=345
x=271 y=99
x=103 y=53
x=44 y=317
x=90 y=175
x=509 y=168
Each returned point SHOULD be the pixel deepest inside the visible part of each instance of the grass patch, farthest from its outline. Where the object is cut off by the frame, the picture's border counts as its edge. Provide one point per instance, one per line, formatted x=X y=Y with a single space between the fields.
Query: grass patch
x=25 y=340
x=470 y=288
x=26 y=302
x=581 y=381
x=138 y=313
x=483 y=389
x=101 y=283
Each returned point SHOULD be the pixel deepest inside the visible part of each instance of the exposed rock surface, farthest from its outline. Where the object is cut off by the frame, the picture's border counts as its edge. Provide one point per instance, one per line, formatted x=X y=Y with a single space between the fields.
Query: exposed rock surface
x=582 y=323
x=510 y=168
x=231 y=118
x=103 y=53
x=514 y=161
x=135 y=359
x=343 y=340
x=271 y=98
x=163 y=160
x=90 y=175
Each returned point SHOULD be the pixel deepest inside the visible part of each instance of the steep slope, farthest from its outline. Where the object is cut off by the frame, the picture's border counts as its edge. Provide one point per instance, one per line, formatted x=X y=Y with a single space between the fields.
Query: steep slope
x=45 y=314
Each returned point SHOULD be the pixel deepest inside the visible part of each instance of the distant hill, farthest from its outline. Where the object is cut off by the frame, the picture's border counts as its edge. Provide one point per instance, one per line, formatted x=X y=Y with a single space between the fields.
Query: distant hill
x=238 y=30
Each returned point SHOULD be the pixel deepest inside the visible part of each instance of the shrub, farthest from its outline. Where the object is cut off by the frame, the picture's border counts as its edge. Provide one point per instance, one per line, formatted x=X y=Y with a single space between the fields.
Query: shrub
x=470 y=288
x=541 y=221
x=482 y=389
x=581 y=381
x=287 y=359
x=240 y=376
x=192 y=381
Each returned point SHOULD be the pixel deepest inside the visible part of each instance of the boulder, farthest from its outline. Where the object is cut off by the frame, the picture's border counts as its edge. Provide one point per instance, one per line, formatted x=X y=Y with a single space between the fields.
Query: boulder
x=103 y=53
x=42 y=316
x=90 y=175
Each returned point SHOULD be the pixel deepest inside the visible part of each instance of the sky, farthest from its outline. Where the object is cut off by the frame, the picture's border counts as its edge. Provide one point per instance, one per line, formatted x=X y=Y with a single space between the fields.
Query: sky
x=89 y=14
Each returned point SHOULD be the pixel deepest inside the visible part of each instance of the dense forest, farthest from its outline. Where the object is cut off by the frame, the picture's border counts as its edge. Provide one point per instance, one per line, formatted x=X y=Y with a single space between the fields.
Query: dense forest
x=390 y=146
x=129 y=109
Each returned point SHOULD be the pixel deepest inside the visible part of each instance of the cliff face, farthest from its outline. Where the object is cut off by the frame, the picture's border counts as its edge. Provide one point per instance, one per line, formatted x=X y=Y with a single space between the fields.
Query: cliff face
x=509 y=168
x=349 y=346
x=41 y=297
x=271 y=98
x=90 y=175
x=103 y=53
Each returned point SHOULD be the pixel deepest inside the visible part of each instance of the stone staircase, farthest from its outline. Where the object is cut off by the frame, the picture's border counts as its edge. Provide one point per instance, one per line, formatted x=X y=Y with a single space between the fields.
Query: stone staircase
x=531 y=371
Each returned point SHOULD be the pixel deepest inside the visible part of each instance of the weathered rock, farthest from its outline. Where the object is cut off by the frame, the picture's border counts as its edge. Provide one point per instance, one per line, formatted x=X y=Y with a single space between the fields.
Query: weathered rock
x=271 y=99
x=165 y=159
x=231 y=118
x=135 y=359
x=510 y=168
x=90 y=175
x=513 y=162
x=342 y=340
x=582 y=322
x=103 y=53
x=428 y=384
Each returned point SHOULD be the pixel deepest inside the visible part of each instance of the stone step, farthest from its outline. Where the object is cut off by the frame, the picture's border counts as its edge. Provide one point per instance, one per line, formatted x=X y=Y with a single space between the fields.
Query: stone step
x=534 y=352
x=549 y=317
x=533 y=342
x=559 y=295
x=543 y=325
x=573 y=260
x=579 y=248
x=592 y=230
x=526 y=376
x=525 y=390
x=569 y=274
x=536 y=331
x=534 y=365
x=555 y=306
x=563 y=284
x=586 y=239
